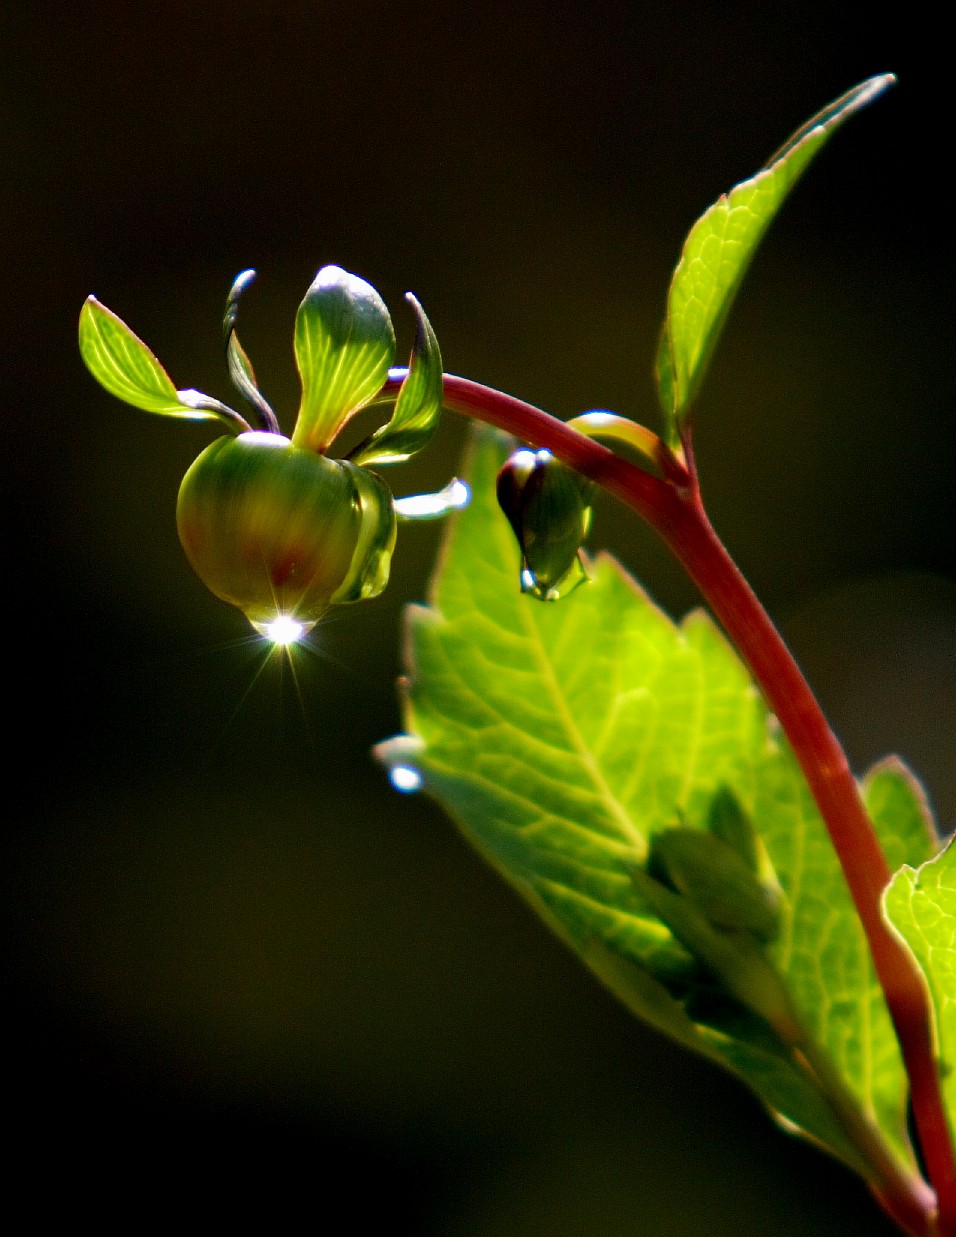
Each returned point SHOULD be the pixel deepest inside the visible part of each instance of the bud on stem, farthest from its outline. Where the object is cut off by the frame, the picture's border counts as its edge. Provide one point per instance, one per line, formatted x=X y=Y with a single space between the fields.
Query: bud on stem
x=280 y=531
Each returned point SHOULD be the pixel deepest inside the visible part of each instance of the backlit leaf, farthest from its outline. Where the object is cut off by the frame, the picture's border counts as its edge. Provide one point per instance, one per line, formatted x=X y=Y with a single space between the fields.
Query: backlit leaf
x=921 y=904
x=122 y=363
x=719 y=249
x=564 y=738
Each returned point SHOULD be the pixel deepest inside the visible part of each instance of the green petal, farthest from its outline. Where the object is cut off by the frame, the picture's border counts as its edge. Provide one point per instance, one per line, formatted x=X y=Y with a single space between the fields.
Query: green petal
x=418 y=407
x=719 y=249
x=121 y=362
x=344 y=345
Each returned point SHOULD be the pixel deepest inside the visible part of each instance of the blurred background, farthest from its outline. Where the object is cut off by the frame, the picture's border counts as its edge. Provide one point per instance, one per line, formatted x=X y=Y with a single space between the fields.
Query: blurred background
x=241 y=975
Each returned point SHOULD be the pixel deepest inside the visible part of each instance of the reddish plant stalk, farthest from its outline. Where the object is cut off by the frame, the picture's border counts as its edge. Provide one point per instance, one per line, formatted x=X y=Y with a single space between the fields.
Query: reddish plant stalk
x=672 y=506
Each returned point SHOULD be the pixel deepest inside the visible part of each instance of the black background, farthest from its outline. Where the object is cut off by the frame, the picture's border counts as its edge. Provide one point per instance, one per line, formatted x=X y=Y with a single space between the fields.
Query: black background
x=243 y=978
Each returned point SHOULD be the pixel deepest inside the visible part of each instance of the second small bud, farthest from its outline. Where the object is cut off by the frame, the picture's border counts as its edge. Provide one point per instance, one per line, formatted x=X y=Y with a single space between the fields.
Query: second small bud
x=548 y=506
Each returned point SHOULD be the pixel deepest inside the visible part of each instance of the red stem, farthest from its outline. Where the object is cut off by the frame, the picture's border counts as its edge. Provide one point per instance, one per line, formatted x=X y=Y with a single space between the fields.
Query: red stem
x=673 y=507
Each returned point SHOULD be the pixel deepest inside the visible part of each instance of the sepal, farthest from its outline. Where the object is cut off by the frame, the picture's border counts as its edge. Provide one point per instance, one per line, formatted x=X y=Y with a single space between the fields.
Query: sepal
x=241 y=373
x=455 y=496
x=418 y=407
x=372 y=557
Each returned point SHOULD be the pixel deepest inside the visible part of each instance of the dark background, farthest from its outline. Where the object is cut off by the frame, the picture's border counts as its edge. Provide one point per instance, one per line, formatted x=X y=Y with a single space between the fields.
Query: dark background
x=243 y=978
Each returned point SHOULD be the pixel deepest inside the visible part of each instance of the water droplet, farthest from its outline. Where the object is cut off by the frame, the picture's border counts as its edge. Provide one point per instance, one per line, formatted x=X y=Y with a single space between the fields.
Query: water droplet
x=405 y=779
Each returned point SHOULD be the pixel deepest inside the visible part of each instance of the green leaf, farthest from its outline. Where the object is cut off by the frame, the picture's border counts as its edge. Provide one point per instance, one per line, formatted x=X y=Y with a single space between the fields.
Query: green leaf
x=565 y=739
x=121 y=362
x=344 y=345
x=719 y=249
x=418 y=407
x=921 y=904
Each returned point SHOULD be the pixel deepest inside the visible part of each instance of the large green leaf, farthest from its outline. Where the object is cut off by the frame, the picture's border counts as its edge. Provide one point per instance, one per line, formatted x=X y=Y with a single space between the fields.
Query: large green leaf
x=344 y=344
x=921 y=905
x=563 y=738
x=122 y=363
x=719 y=249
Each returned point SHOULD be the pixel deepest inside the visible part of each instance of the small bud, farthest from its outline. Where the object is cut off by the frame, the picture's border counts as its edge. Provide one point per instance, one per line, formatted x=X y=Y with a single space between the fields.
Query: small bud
x=548 y=507
x=282 y=532
x=720 y=883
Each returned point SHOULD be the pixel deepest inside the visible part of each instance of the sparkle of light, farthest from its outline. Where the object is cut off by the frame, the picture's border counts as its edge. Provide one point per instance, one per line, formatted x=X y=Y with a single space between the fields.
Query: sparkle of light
x=405 y=779
x=284 y=630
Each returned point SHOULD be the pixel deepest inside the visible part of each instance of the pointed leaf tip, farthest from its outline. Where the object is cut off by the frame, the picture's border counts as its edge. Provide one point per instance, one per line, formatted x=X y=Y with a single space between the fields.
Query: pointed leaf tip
x=719 y=249
x=344 y=345
x=120 y=361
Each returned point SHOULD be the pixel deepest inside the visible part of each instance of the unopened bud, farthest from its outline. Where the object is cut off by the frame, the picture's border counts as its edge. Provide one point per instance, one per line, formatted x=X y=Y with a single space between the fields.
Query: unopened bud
x=283 y=532
x=548 y=507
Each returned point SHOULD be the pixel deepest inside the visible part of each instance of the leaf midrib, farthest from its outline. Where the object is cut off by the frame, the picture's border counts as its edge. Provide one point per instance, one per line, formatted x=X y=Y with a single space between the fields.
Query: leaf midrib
x=533 y=635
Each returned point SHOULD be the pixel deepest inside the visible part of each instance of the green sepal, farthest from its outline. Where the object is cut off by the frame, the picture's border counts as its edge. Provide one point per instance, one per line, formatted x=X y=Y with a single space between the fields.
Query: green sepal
x=344 y=345
x=719 y=249
x=372 y=560
x=418 y=407
x=601 y=424
x=720 y=883
x=120 y=361
x=241 y=373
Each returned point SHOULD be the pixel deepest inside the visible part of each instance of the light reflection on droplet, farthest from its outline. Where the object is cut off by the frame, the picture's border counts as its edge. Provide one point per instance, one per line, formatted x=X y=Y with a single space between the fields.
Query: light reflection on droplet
x=405 y=779
x=283 y=630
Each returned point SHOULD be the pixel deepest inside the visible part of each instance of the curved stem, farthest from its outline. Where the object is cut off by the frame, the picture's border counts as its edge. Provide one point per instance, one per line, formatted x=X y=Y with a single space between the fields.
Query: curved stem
x=672 y=506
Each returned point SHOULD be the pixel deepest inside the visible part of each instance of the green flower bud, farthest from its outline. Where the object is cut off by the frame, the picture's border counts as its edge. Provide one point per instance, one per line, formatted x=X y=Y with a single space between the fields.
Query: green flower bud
x=548 y=507
x=281 y=532
x=271 y=524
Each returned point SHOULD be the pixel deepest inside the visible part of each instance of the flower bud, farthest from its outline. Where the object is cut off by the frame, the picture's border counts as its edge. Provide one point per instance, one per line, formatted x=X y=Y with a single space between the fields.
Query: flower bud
x=548 y=507
x=282 y=532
